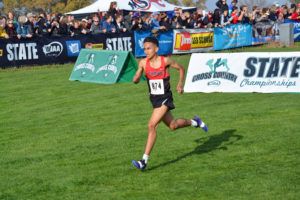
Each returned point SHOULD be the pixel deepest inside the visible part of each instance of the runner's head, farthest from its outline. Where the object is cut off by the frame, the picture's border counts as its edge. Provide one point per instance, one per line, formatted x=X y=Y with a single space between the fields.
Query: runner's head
x=150 y=47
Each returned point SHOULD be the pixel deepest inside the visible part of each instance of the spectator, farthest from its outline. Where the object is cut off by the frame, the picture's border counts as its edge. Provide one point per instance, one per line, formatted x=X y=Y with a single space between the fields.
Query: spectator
x=295 y=16
x=12 y=17
x=75 y=29
x=3 y=33
x=186 y=21
x=208 y=20
x=42 y=25
x=175 y=23
x=233 y=3
x=4 y=22
x=96 y=27
x=216 y=18
x=22 y=29
x=63 y=28
x=222 y=5
x=255 y=15
x=137 y=24
x=112 y=11
x=30 y=24
x=146 y=19
x=155 y=21
x=273 y=15
x=55 y=27
x=243 y=16
x=108 y=26
x=225 y=19
x=119 y=24
x=166 y=21
x=11 y=29
x=234 y=15
x=128 y=20
x=84 y=27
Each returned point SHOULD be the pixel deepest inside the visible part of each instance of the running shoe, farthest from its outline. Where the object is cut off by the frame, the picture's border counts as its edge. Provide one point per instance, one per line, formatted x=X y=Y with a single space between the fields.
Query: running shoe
x=139 y=164
x=200 y=124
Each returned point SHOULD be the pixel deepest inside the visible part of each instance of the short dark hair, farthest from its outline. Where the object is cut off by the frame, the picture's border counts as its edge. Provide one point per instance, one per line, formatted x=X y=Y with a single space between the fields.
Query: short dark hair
x=153 y=40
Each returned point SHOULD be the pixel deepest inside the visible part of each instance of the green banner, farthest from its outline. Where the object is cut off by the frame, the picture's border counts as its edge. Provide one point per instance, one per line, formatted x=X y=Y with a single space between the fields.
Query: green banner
x=103 y=66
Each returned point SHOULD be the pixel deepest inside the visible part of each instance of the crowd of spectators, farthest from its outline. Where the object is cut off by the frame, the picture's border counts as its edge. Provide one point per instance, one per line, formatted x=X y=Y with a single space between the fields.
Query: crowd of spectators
x=112 y=21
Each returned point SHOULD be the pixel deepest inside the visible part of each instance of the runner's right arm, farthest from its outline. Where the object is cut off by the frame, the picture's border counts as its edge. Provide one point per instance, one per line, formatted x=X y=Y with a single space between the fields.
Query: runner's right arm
x=139 y=72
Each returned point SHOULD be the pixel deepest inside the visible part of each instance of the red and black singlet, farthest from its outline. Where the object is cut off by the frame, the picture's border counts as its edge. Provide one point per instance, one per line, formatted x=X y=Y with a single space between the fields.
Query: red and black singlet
x=158 y=79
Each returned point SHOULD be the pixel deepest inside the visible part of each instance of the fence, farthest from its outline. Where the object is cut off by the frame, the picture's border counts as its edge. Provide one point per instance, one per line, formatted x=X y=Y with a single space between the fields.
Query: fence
x=52 y=50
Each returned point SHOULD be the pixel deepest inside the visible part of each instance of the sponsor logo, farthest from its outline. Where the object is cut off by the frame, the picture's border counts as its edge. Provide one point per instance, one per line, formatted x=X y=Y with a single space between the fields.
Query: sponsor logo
x=54 y=49
x=73 y=47
x=221 y=73
x=187 y=41
x=94 y=46
x=144 y=4
x=22 y=51
x=214 y=83
x=110 y=66
x=87 y=66
x=234 y=31
x=141 y=42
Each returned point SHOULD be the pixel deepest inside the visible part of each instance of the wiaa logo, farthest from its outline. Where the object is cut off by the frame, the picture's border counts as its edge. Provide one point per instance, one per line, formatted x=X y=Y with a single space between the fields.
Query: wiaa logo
x=53 y=49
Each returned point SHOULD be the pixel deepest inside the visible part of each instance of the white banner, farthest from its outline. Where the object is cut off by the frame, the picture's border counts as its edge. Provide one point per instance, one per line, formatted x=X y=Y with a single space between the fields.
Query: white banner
x=244 y=72
x=193 y=40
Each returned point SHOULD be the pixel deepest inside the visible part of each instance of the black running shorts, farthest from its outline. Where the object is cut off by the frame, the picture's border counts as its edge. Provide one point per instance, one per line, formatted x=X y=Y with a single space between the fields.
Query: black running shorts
x=159 y=100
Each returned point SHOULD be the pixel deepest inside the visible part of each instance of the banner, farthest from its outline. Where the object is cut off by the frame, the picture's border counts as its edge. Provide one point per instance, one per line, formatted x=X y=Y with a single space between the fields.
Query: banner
x=265 y=31
x=165 y=42
x=103 y=66
x=192 y=40
x=244 y=72
x=231 y=36
x=296 y=29
x=58 y=50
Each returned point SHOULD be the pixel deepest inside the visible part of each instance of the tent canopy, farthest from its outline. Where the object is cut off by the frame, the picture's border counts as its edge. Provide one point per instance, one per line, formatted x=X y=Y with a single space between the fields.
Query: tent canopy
x=129 y=5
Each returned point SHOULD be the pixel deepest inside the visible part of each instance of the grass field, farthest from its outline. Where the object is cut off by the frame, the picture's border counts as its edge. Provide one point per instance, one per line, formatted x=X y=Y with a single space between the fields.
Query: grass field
x=70 y=140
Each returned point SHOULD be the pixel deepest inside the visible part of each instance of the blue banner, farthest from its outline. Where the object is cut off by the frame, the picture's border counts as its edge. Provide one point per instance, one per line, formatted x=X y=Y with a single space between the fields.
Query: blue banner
x=165 y=42
x=236 y=35
x=296 y=29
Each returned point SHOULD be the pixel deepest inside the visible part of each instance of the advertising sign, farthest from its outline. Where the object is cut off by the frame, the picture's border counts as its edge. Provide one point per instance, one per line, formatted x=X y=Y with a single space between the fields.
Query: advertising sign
x=244 y=72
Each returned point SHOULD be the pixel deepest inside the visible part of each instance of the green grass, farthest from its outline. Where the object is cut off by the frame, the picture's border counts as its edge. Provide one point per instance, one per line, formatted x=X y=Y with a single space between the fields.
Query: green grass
x=70 y=140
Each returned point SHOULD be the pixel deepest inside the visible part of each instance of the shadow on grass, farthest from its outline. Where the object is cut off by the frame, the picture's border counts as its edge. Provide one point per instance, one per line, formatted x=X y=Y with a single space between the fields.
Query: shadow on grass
x=213 y=143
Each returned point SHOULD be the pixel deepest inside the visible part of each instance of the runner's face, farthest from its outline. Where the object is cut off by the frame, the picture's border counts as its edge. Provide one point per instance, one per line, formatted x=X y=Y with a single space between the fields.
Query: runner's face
x=150 y=49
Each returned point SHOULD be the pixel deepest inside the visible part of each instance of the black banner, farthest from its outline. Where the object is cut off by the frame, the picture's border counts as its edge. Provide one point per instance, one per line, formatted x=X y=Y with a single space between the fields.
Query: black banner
x=58 y=50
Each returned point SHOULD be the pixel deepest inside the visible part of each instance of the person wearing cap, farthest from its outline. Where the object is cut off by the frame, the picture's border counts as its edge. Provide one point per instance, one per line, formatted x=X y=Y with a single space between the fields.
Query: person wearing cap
x=30 y=25
x=155 y=21
x=96 y=27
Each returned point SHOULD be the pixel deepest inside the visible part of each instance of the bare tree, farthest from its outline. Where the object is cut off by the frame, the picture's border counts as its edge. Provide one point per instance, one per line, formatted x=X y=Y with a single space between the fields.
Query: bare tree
x=251 y=3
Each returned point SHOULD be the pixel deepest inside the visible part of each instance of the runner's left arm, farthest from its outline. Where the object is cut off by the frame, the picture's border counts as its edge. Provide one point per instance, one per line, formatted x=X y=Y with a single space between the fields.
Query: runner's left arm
x=181 y=70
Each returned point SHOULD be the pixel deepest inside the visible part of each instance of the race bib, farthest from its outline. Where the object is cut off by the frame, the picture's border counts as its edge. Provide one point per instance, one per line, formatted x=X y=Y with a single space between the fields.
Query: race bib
x=157 y=87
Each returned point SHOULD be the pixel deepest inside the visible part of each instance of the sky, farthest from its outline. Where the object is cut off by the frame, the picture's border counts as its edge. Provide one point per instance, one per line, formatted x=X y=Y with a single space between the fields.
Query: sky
x=211 y=4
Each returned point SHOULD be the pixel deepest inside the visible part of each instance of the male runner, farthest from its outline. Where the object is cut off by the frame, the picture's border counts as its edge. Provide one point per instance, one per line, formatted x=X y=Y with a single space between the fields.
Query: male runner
x=157 y=73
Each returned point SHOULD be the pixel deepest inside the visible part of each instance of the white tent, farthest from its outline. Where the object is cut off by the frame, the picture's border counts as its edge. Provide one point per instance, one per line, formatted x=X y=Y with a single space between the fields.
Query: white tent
x=129 y=5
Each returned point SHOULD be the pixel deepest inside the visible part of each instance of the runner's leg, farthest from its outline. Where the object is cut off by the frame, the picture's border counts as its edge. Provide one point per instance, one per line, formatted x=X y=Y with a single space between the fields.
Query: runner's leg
x=157 y=115
x=173 y=124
